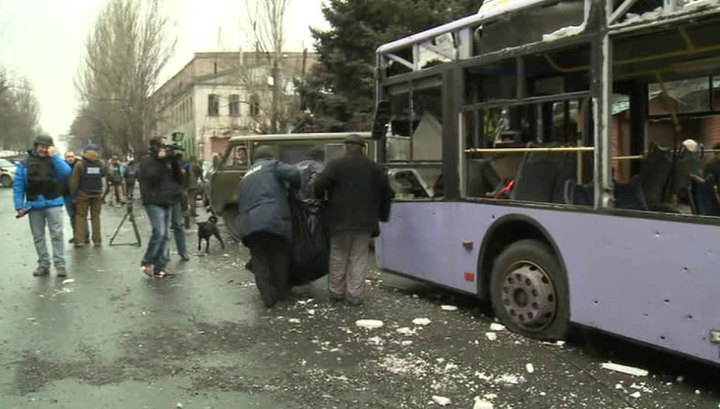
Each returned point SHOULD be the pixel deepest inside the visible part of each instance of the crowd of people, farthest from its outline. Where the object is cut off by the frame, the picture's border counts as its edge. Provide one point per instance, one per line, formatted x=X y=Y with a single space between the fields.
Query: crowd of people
x=354 y=190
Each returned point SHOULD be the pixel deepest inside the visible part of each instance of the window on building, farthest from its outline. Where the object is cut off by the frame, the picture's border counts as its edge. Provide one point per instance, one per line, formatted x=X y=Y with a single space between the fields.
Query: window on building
x=213 y=105
x=254 y=105
x=234 y=105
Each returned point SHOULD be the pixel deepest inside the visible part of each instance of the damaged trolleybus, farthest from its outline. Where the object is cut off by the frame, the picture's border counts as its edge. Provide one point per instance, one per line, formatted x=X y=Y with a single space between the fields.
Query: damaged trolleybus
x=549 y=156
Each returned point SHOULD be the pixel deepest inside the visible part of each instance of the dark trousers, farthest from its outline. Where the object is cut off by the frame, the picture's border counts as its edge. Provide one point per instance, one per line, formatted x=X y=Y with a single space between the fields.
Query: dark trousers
x=270 y=260
x=93 y=203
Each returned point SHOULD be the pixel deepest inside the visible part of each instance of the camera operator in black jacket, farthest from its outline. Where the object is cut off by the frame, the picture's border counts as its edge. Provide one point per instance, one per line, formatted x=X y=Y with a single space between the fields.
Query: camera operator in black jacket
x=160 y=187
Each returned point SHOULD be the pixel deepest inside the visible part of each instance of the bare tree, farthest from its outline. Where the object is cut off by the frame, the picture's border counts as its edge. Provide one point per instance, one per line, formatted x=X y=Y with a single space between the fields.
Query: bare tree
x=18 y=112
x=267 y=23
x=129 y=46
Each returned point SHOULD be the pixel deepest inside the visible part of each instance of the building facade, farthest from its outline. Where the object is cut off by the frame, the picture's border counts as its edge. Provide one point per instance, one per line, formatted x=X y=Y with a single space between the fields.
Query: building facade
x=218 y=95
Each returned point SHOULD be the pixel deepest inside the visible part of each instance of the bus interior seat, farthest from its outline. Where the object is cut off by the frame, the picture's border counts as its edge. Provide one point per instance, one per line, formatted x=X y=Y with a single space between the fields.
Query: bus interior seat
x=627 y=195
x=409 y=181
x=703 y=197
x=542 y=175
x=483 y=177
x=655 y=174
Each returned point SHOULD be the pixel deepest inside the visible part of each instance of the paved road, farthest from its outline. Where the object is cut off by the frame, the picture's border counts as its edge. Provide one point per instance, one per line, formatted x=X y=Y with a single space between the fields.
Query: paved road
x=116 y=339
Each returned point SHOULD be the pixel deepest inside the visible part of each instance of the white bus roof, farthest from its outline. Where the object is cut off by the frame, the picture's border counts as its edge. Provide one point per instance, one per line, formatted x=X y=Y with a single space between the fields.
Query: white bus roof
x=298 y=136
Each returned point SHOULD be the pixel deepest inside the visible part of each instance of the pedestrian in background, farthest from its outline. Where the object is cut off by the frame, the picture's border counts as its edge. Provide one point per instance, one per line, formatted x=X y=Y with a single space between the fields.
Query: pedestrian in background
x=265 y=225
x=86 y=184
x=37 y=192
x=130 y=179
x=70 y=201
x=114 y=181
x=160 y=187
x=359 y=196
x=309 y=168
x=193 y=175
x=179 y=209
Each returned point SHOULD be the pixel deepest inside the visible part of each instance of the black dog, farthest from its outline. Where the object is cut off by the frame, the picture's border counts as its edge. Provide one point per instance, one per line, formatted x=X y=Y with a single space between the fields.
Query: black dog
x=206 y=230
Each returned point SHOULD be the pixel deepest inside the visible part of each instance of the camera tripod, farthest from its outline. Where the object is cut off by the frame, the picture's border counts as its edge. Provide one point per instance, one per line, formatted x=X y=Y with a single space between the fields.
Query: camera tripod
x=128 y=216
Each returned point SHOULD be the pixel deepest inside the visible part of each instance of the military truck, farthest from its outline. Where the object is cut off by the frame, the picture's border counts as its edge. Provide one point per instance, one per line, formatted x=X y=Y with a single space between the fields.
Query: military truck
x=222 y=189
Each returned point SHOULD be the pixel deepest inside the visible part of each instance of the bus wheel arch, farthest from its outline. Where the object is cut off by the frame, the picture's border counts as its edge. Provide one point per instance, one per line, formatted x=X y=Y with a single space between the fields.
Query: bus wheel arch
x=520 y=244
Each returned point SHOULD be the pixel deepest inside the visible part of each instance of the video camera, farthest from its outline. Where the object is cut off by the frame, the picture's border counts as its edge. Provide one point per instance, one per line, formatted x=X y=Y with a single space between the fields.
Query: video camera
x=175 y=143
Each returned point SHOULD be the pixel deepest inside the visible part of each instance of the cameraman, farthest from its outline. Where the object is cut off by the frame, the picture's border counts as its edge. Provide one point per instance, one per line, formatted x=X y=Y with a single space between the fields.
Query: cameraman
x=160 y=187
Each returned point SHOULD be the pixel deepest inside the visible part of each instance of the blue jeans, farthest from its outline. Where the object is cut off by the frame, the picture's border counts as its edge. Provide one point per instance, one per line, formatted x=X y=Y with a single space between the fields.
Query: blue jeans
x=178 y=228
x=156 y=253
x=52 y=217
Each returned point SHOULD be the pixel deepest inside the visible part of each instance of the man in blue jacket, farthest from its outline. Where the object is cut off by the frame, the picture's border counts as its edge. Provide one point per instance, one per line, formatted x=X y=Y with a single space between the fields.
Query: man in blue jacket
x=265 y=225
x=38 y=193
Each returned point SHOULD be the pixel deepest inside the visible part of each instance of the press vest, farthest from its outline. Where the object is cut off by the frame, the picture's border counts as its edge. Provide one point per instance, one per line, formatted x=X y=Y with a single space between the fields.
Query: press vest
x=39 y=178
x=91 y=178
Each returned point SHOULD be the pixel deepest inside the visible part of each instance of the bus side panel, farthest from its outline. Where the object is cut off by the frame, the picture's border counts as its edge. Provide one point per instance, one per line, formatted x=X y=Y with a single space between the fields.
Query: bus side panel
x=649 y=280
x=425 y=240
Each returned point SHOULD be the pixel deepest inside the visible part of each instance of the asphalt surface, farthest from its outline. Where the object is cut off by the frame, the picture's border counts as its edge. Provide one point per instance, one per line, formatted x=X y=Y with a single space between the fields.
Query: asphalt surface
x=114 y=338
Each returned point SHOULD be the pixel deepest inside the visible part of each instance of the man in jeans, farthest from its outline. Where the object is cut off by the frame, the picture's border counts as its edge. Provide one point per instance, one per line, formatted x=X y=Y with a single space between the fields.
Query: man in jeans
x=38 y=193
x=87 y=187
x=70 y=202
x=160 y=188
x=359 y=196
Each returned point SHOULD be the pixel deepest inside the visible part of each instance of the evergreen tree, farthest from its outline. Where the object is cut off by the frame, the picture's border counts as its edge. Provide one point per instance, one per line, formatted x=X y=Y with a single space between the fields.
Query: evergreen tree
x=338 y=92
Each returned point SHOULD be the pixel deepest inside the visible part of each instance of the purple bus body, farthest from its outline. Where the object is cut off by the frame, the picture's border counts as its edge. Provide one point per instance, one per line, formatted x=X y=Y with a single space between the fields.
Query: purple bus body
x=648 y=280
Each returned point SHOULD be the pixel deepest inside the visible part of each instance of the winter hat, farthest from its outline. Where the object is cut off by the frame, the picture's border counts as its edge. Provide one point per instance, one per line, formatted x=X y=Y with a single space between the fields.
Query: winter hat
x=263 y=151
x=43 y=140
x=92 y=147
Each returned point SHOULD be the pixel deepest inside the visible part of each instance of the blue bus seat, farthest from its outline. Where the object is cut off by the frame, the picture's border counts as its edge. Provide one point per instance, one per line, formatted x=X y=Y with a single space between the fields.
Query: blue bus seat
x=703 y=196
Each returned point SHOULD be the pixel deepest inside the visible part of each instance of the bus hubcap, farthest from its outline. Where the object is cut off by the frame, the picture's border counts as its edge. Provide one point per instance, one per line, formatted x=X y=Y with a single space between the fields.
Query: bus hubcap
x=528 y=296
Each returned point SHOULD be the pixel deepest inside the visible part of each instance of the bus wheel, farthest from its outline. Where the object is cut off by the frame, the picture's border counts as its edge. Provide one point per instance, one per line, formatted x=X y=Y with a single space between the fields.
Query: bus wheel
x=230 y=217
x=529 y=291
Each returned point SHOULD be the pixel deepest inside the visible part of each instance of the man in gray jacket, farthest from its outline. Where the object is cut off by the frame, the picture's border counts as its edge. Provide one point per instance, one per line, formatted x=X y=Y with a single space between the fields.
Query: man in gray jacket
x=265 y=225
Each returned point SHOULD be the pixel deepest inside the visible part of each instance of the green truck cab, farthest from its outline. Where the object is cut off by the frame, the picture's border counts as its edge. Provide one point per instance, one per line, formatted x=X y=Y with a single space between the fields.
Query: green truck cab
x=222 y=187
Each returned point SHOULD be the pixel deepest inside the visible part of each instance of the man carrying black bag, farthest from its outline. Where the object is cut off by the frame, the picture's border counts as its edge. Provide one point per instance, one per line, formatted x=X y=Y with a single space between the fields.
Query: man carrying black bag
x=265 y=225
x=359 y=196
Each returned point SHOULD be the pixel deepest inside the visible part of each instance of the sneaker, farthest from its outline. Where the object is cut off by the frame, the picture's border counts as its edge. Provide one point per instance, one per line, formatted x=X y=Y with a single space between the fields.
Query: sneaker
x=41 y=271
x=61 y=271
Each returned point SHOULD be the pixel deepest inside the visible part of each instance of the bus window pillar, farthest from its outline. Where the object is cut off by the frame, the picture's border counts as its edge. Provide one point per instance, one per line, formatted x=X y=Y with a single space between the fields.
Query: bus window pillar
x=602 y=80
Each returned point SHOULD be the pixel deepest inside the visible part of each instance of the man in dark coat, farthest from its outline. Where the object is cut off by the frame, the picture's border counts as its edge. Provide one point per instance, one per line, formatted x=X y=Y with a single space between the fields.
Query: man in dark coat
x=359 y=196
x=265 y=225
x=160 y=188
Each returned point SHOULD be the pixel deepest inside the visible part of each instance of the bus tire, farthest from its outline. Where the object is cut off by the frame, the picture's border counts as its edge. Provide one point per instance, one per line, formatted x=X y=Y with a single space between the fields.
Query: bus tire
x=529 y=291
x=230 y=217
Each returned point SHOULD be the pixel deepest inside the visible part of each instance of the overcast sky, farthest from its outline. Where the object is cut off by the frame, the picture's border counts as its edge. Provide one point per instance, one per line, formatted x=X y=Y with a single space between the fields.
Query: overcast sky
x=43 y=41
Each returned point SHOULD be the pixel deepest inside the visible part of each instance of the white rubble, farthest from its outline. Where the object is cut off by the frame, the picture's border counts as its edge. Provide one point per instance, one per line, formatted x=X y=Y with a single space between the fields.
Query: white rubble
x=529 y=368
x=406 y=343
x=294 y=321
x=482 y=404
x=369 y=324
x=441 y=400
x=635 y=395
x=491 y=336
x=421 y=321
x=68 y=281
x=405 y=331
x=448 y=308
x=624 y=369
x=497 y=327
x=376 y=340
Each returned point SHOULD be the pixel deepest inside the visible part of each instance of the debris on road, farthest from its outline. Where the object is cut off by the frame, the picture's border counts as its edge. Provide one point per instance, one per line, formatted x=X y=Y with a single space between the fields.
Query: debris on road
x=496 y=327
x=421 y=321
x=369 y=324
x=635 y=395
x=529 y=368
x=68 y=281
x=441 y=400
x=448 y=308
x=294 y=321
x=491 y=336
x=482 y=404
x=629 y=370
x=405 y=331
